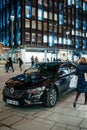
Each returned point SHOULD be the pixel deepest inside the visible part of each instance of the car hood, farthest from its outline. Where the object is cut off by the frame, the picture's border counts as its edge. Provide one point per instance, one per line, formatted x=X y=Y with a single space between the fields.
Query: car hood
x=26 y=80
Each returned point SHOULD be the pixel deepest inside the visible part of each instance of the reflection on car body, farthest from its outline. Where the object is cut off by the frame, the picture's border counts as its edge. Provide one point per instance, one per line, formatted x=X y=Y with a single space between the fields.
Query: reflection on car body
x=43 y=83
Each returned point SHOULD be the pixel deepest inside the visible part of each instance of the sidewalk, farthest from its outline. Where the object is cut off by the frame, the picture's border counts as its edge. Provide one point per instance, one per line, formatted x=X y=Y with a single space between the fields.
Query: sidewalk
x=38 y=117
x=16 y=67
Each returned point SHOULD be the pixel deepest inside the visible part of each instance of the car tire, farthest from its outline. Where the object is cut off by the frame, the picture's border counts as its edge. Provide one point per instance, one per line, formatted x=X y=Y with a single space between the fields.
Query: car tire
x=51 y=97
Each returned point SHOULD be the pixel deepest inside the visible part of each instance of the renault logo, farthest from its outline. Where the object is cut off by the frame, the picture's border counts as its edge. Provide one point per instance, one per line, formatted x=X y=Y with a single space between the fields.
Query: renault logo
x=12 y=90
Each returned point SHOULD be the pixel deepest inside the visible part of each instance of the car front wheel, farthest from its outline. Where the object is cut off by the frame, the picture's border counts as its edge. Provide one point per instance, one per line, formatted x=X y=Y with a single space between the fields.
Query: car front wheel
x=51 y=97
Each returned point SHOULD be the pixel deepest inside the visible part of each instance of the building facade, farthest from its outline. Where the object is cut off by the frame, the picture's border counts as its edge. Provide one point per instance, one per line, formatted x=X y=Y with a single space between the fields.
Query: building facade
x=52 y=24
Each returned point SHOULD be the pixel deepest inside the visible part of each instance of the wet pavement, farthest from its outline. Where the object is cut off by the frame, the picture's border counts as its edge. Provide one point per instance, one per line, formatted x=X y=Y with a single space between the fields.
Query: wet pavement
x=38 y=117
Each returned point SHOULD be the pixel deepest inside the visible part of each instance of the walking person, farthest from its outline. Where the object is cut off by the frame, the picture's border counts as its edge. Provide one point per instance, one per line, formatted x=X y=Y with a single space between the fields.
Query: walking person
x=10 y=62
x=81 y=84
x=32 y=61
x=20 y=62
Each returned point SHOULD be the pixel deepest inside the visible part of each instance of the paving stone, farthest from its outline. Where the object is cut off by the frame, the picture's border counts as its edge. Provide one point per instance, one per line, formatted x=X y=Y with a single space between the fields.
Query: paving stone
x=65 y=119
x=84 y=124
x=11 y=120
x=5 y=114
x=32 y=125
x=70 y=127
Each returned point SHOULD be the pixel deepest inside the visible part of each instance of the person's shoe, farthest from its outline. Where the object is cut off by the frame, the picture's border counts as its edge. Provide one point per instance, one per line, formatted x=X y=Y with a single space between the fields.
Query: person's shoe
x=74 y=104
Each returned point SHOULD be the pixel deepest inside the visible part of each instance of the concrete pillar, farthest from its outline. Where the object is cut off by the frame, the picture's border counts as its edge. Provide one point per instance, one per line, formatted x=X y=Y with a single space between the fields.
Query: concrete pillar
x=23 y=55
x=45 y=55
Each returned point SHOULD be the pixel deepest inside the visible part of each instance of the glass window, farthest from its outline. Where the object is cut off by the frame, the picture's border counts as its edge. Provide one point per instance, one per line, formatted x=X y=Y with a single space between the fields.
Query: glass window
x=55 y=28
x=55 y=4
x=64 y=41
x=40 y=14
x=55 y=17
x=45 y=3
x=28 y=12
x=84 y=44
x=77 y=2
x=45 y=14
x=77 y=23
x=60 y=40
x=45 y=38
x=84 y=5
x=51 y=40
x=77 y=43
x=33 y=24
x=33 y=37
x=69 y=2
x=40 y=2
x=27 y=23
x=39 y=39
x=27 y=36
x=45 y=26
x=50 y=15
x=55 y=40
x=60 y=29
x=84 y=25
x=28 y=2
x=61 y=19
x=33 y=11
x=39 y=25
x=50 y=27
x=72 y=1
x=50 y=3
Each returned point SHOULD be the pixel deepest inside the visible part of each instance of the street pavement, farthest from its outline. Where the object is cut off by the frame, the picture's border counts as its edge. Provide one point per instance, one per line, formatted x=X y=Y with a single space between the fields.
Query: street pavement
x=38 y=117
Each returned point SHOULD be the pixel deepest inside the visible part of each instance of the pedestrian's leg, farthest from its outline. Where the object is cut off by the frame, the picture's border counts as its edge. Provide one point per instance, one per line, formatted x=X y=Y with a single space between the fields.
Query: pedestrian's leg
x=77 y=96
x=12 y=69
x=85 y=98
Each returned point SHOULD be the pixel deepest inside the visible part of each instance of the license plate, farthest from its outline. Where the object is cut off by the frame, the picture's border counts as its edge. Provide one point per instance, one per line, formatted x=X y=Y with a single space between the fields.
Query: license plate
x=12 y=102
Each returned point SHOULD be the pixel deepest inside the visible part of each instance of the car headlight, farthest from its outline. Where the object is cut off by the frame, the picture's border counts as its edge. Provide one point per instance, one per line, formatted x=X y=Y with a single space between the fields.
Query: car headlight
x=36 y=90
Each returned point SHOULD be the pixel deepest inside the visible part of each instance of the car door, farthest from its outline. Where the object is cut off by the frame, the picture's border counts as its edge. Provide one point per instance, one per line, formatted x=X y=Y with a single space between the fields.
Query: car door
x=63 y=79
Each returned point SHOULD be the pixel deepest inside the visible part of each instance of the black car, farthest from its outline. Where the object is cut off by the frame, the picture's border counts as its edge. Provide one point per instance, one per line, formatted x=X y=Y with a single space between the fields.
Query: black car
x=43 y=83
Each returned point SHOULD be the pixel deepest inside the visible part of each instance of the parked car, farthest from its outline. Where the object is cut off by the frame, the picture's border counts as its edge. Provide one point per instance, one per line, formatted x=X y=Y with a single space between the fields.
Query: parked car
x=42 y=83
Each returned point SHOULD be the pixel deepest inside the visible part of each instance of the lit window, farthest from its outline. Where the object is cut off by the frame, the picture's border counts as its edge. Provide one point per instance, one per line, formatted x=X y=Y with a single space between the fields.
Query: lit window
x=33 y=24
x=40 y=2
x=51 y=43
x=84 y=25
x=55 y=17
x=45 y=38
x=61 y=19
x=33 y=37
x=55 y=40
x=45 y=3
x=40 y=14
x=60 y=40
x=39 y=25
x=84 y=44
x=69 y=2
x=28 y=11
x=27 y=23
x=45 y=14
x=50 y=15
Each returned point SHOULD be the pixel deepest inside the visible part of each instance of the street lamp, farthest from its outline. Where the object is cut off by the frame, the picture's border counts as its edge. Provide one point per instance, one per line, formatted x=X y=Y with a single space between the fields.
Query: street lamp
x=12 y=31
x=67 y=34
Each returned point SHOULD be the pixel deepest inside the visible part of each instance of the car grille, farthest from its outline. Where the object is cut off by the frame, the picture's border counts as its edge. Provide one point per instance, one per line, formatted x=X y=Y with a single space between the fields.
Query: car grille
x=16 y=93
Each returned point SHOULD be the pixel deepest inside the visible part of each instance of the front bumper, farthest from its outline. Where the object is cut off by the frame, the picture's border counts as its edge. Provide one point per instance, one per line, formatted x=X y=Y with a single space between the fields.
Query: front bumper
x=21 y=98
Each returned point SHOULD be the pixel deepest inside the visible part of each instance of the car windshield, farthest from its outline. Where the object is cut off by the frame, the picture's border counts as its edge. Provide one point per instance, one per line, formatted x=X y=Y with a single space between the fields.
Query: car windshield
x=42 y=68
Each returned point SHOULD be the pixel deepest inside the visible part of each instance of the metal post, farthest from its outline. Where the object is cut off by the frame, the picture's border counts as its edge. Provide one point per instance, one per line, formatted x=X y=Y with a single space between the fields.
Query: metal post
x=12 y=31
x=67 y=34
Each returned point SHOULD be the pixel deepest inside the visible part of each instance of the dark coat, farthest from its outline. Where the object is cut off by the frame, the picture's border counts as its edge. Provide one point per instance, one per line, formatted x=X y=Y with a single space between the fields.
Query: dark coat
x=81 y=85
